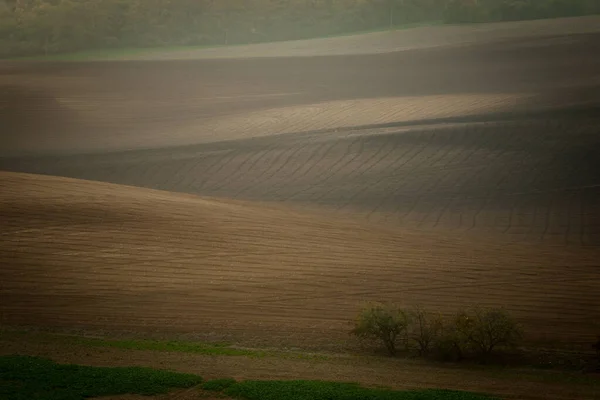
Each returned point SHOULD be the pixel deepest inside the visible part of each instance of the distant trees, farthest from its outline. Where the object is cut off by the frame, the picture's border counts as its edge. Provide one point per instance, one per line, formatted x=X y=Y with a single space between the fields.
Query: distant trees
x=30 y=27
x=475 y=333
x=461 y=11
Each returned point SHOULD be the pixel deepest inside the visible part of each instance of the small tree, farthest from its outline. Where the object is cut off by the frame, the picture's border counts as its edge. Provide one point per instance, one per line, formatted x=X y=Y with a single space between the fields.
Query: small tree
x=381 y=322
x=452 y=343
x=484 y=330
x=424 y=329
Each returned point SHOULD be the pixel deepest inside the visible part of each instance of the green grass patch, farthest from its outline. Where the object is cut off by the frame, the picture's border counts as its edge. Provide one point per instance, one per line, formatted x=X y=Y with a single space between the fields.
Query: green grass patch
x=218 y=349
x=567 y=378
x=317 y=390
x=218 y=385
x=211 y=349
x=23 y=377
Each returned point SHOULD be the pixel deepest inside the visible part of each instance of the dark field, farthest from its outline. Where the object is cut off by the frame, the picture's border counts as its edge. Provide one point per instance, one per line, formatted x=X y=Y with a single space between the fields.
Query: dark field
x=499 y=137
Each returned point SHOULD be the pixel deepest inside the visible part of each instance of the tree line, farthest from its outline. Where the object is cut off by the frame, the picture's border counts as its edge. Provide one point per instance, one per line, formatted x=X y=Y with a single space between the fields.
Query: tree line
x=486 y=335
x=34 y=27
x=476 y=332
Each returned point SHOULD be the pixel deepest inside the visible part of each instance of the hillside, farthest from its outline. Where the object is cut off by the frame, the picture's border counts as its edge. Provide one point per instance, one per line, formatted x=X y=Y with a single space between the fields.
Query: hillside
x=89 y=255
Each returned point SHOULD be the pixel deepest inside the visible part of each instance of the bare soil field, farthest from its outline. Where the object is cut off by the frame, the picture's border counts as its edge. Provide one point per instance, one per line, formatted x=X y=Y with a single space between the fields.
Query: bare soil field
x=263 y=200
x=498 y=136
x=104 y=256
x=536 y=180
x=62 y=107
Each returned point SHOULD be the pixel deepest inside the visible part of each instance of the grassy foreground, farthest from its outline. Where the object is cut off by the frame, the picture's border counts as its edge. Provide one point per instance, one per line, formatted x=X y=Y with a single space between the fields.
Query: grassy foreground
x=316 y=390
x=24 y=377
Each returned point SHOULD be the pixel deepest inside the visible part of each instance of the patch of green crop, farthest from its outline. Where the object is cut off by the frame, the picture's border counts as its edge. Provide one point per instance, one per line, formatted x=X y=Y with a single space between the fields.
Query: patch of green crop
x=218 y=385
x=317 y=390
x=211 y=349
x=176 y=346
x=24 y=377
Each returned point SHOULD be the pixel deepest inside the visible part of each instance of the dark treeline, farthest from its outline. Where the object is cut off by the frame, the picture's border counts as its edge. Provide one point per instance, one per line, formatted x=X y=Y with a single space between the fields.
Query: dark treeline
x=31 y=27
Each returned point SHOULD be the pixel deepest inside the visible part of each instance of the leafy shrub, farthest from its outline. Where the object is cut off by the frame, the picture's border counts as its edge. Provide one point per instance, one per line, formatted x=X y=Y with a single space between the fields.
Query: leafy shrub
x=450 y=345
x=479 y=332
x=493 y=329
x=381 y=322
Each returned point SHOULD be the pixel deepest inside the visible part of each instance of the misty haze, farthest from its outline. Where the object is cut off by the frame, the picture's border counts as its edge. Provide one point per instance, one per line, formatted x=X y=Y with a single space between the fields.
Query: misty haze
x=269 y=199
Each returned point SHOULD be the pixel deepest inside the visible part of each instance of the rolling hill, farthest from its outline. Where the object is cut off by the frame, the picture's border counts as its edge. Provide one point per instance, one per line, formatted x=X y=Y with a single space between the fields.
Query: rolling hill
x=100 y=256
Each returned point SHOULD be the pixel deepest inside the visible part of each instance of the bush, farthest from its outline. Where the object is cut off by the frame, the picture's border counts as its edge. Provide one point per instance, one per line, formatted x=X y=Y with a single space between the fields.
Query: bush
x=479 y=332
x=424 y=329
x=381 y=322
x=450 y=345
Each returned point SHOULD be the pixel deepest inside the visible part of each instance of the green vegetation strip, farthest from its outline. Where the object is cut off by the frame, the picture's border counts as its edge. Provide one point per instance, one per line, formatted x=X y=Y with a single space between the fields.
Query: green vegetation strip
x=49 y=27
x=316 y=390
x=218 y=385
x=210 y=349
x=216 y=349
x=24 y=377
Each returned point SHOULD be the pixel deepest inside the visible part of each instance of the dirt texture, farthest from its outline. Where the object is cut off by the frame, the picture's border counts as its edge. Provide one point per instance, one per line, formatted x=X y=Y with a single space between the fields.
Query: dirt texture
x=98 y=255
x=263 y=200
x=496 y=135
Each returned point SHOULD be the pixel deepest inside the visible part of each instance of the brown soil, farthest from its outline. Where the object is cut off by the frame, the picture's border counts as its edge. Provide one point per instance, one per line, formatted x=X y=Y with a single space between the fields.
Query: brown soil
x=133 y=104
x=104 y=256
x=446 y=160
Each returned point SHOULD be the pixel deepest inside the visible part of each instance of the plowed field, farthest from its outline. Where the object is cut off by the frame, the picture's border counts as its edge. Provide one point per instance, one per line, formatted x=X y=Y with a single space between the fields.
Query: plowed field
x=292 y=189
x=96 y=255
